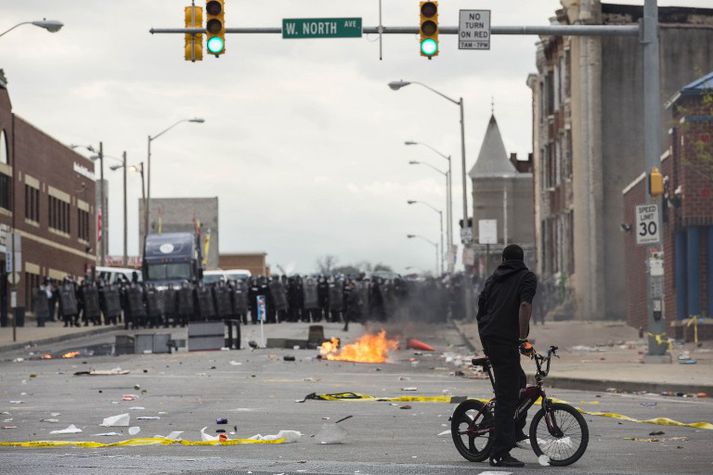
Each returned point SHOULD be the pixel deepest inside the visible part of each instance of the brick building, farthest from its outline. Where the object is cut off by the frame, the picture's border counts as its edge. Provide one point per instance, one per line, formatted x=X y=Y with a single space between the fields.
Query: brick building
x=687 y=230
x=47 y=195
x=588 y=142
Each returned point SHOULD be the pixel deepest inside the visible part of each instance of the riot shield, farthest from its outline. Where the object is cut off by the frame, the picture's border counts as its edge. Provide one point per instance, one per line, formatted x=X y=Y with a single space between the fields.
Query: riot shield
x=336 y=296
x=68 y=300
x=91 y=302
x=111 y=301
x=311 y=297
x=279 y=296
x=223 y=305
x=135 y=300
x=206 y=308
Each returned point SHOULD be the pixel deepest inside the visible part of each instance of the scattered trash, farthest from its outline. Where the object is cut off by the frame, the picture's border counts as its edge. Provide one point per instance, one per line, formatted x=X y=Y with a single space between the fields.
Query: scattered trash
x=648 y=404
x=543 y=460
x=17 y=402
x=9 y=427
x=110 y=372
x=137 y=387
x=55 y=414
x=288 y=358
x=235 y=363
x=71 y=429
x=175 y=435
x=18 y=360
x=134 y=430
x=221 y=420
x=641 y=439
x=410 y=389
x=129 y=397
x=405 y=406
x=207 y=437
x=311 y=380
x=252 y=344
x=657 y=432
x=122 y=420
x=445 y=432
x=702 y=395
x=137 y=408
x=147 y=418
x=51 y=421
x=415 y=344
x=106 y=434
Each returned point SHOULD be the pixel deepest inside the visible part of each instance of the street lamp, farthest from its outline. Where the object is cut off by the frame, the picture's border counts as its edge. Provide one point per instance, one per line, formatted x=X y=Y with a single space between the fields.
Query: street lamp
x=434 y=244
x=440 y=221
x=125 y=257
x=147 y=200
x=53 y=26
x=102 y=196
x=449 y=200
x=396 y=85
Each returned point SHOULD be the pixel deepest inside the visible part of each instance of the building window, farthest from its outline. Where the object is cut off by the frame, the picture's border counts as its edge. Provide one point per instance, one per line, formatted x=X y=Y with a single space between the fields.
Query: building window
x=32 y=285
x=83 y=225
x=58 y=213
x=4 y=154
x=5 y=183
x=32 y=203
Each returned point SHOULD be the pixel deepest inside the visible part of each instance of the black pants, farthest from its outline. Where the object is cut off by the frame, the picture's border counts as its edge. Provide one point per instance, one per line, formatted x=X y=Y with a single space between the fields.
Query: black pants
x=509 y=379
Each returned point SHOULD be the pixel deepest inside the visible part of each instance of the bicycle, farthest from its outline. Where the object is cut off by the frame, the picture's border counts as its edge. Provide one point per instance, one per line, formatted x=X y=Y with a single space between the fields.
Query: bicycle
x=557 y=430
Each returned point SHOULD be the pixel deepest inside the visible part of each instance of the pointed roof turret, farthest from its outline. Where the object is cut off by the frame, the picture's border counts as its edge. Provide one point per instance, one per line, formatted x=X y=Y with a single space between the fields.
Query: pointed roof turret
x=493 y=158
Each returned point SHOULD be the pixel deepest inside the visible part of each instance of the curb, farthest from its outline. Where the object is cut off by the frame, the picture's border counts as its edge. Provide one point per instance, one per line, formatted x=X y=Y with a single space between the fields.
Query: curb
x=586 y=384
x=466 y=340
x=57 y=339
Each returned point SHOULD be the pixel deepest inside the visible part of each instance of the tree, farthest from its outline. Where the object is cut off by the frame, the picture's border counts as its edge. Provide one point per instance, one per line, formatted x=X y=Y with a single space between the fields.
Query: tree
x=326 y=264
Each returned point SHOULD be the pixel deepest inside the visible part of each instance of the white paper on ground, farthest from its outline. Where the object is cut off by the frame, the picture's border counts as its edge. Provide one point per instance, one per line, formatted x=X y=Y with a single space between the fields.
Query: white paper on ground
x=495 y=473
x=137 y=408
x=289 y=436
x=175 y=435
x=106 y=434
x=543 y=460
x=122 y=420
x=72 y=429
x=134 y=430
x=445 y=432
x=207 y=437
x=148 y=418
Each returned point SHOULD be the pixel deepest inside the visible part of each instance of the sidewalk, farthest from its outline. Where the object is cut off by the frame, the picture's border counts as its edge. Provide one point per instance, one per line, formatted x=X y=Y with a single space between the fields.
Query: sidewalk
x=52 y=332
x=602 y=355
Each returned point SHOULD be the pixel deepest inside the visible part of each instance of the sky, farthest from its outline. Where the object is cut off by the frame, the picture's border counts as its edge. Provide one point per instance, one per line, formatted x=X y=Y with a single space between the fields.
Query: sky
x=303 y=140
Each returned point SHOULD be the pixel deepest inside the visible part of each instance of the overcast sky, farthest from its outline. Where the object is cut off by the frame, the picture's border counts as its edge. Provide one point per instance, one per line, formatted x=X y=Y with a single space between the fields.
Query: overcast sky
x=303 y=140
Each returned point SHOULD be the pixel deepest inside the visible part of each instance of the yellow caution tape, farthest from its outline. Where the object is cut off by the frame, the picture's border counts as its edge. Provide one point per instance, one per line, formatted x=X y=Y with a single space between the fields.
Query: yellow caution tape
x=694 y=321
x=139 y=442
x=661 y=421
x=662 y=339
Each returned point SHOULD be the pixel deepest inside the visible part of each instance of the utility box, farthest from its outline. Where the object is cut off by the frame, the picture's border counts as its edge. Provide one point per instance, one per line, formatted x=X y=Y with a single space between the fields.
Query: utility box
x=152 y=343
x=203 y=336
x=123 y=345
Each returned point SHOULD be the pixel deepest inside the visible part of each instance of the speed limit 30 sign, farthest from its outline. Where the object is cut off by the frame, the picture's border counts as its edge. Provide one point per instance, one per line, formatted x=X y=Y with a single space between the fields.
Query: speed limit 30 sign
x=647 y=224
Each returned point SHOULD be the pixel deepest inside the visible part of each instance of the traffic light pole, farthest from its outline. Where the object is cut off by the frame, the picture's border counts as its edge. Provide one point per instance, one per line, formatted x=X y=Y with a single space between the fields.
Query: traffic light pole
x=649 y=31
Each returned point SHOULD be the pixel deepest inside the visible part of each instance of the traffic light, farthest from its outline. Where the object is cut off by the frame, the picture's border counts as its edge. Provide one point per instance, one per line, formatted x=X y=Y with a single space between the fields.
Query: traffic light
x=429 y=29
x=215 y=26
x=655 y=183
x=194 y=42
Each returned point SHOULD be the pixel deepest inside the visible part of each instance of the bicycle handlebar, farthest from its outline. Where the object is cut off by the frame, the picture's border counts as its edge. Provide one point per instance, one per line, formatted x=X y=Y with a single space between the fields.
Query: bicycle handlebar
x=539 y=359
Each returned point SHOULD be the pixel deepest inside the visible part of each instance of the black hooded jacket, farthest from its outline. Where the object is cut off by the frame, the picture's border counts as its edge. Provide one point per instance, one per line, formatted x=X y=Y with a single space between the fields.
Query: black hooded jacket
x=499 y=302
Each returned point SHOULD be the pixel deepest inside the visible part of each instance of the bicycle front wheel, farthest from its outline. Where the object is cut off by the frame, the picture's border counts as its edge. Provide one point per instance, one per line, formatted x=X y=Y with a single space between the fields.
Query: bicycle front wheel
x=560 y=433
x=471 y=428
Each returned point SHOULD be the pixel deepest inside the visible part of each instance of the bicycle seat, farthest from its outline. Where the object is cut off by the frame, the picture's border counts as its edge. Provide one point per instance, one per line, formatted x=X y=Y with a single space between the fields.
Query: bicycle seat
x=484 y=361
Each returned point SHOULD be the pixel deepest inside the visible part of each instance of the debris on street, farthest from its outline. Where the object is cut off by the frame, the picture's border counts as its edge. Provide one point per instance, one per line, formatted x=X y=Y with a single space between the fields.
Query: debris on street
x=71 y=429
x=121 y=420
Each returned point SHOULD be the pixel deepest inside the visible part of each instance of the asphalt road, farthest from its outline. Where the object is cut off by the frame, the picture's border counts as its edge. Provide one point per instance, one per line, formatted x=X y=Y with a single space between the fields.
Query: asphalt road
x=257 y=394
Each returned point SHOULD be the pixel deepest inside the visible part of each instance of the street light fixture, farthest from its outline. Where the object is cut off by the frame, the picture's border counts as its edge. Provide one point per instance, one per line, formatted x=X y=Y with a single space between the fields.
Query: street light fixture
x=440 y=222
x=434 y=244
x=53 y=26
x=449 y=200
x=396 y=85
x=102 y=194
x=147 y=200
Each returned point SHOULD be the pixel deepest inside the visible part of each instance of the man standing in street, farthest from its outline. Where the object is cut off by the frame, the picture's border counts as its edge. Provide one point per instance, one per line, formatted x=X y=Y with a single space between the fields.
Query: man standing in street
x=504 y=310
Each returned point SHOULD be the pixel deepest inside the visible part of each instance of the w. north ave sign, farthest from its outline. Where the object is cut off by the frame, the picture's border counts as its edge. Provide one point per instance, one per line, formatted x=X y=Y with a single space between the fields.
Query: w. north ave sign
x=300 y=28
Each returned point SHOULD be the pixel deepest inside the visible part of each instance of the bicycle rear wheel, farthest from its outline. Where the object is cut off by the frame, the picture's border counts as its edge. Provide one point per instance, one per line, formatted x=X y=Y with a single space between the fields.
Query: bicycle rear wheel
x=564 y=439
x=471 y=428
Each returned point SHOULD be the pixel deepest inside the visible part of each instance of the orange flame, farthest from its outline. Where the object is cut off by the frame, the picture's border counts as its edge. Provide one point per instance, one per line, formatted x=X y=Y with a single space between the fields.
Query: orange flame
x=369 y=348
x=71 y=354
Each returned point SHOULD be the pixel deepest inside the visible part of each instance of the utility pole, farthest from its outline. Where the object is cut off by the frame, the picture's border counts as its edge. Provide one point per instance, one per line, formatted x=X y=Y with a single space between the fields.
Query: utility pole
x=125 y=257
x=652 y=158
x=102 y=199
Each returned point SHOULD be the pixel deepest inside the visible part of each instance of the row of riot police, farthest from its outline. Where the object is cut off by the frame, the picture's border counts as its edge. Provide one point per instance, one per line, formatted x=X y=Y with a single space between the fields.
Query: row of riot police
x=138 y=305
x=278 y=299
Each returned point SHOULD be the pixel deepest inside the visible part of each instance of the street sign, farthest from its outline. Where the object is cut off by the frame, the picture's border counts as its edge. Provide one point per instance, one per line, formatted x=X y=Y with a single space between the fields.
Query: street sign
x=647 y=224
x=13 y=278
x=474 y=29
x=466 y=235
x=487 y=231
x=302 y=28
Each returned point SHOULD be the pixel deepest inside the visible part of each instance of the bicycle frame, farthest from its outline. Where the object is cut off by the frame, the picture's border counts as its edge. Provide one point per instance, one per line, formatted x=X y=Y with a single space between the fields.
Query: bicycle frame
x=528 y=396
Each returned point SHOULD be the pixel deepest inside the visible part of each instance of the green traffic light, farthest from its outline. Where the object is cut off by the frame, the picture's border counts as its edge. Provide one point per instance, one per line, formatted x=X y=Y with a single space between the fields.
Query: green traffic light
x=429 y=47
x=215 y=45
